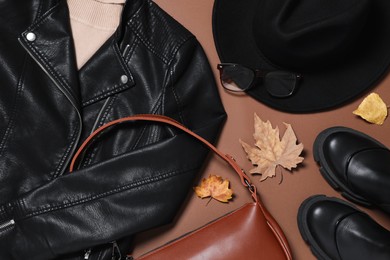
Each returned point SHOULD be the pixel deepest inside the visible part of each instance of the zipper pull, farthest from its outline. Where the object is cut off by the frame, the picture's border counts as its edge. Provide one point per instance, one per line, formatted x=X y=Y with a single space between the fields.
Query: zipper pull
x=87 y=254
x=7 y=224
x=116 y=252
x=126 y=50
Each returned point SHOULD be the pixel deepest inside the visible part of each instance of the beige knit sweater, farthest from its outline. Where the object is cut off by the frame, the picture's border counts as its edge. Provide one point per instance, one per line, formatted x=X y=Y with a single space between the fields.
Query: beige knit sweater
x=92 y=22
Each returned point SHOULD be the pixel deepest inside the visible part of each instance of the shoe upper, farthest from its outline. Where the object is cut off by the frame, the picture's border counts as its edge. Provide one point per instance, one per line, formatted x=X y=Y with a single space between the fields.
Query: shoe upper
x=322 y=220
x=368 y=174
x=359 y=237
x=360 y=163
x=341 y=231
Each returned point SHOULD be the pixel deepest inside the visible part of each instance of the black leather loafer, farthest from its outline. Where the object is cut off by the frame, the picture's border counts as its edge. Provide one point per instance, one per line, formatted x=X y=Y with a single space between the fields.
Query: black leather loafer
x=335 y=230
x=356 y=164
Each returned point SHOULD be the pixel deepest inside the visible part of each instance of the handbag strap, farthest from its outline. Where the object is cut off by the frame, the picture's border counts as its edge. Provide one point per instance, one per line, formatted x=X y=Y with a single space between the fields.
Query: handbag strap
x=167 y=120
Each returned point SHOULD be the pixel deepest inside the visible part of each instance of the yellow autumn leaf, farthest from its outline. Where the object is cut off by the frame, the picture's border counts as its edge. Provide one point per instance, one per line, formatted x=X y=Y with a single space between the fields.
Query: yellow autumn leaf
x=269 y=151
x=372 y=109
x=215 y=187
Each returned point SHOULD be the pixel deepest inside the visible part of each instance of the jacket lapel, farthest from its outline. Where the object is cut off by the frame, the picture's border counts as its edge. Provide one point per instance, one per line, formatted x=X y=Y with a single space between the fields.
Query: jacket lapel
x=49 y=42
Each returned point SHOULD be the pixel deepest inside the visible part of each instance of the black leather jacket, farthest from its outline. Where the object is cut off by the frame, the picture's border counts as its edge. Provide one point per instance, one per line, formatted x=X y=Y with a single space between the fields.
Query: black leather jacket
x=135 y=176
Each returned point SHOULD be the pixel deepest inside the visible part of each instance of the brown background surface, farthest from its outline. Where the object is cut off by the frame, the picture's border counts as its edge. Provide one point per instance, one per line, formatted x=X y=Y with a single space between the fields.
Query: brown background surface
x=283 y=199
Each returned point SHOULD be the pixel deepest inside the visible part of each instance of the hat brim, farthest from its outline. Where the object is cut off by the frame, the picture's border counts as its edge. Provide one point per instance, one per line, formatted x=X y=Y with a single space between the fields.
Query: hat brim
x=320 y=89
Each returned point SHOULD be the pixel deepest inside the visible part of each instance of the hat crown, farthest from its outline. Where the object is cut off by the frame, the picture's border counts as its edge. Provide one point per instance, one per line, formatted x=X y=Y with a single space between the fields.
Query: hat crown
x=308 y=34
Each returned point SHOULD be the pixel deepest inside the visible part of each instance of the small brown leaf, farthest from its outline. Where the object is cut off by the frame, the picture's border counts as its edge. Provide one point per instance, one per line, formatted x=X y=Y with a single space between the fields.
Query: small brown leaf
x=372 y=109
x=270 y=151
x=215 y=187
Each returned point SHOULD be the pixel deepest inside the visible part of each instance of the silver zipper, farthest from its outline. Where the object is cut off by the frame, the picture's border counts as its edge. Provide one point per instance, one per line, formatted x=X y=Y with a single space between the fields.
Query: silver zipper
x=87 y=254
x=126 y=50
x=116 y=252
x=102 y=109
x=67 y=96
x=7 y=224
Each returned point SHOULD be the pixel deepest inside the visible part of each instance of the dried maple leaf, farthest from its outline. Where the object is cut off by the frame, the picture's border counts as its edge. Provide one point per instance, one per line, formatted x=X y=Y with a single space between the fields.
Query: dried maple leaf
x=215 y=187
x=270 y=151
x=372 y=109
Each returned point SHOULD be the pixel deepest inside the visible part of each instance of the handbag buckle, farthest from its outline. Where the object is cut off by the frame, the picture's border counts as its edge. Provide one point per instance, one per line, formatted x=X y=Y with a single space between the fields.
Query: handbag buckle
x=249 y=185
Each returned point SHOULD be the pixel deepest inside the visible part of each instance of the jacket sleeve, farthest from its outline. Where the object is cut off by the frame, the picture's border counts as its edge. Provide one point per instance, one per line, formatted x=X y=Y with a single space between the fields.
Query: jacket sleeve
x=126 y=194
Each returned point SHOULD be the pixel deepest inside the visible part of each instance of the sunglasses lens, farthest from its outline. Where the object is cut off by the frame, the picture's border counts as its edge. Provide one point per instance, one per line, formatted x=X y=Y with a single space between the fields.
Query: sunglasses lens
x=280 y=83
x=236 y=77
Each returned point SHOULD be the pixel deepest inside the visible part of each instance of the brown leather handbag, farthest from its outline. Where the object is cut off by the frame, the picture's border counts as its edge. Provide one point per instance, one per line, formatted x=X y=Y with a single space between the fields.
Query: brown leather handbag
x=249 y=232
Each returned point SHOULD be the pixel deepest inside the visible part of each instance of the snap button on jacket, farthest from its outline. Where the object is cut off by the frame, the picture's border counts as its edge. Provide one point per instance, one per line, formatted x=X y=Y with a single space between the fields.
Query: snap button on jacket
x=135 y=176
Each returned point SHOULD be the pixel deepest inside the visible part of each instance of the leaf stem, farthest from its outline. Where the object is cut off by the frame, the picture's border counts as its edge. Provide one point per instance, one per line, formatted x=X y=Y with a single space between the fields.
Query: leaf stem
x=281 y=177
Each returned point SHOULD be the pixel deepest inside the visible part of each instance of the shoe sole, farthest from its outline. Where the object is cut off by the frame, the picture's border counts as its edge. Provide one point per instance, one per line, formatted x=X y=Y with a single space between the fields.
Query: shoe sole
x=326 y=170
x=304 y=228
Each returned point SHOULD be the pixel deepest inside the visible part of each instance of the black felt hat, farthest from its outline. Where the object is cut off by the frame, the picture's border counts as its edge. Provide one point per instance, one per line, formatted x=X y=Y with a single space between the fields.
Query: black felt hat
x=341 y=47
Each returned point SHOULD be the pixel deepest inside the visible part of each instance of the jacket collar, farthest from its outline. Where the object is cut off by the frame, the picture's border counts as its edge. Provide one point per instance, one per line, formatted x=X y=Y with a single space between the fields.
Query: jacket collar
x=49 y=41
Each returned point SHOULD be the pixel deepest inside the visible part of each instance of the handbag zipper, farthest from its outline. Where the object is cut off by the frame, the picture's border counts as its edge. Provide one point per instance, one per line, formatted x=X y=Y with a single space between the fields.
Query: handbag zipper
x=7 y=224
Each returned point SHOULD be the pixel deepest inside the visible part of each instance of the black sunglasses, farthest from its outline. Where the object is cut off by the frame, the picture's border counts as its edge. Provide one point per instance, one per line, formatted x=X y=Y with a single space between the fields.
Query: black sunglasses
x=238 y=78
